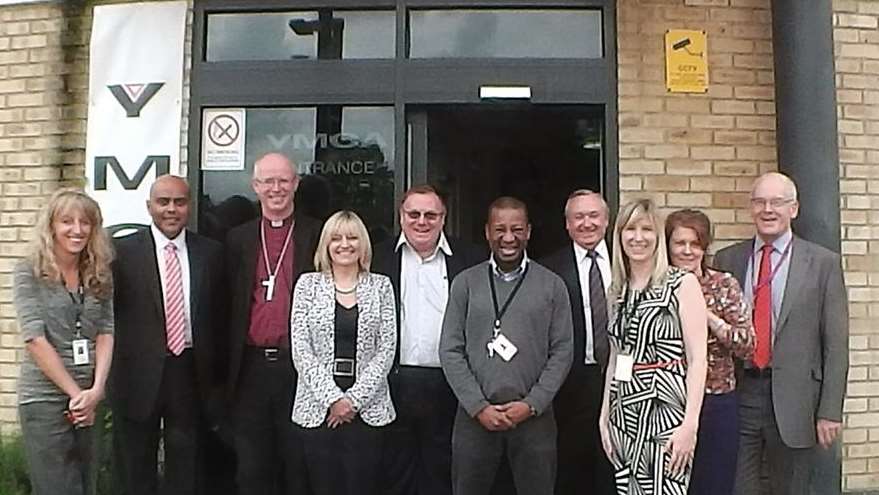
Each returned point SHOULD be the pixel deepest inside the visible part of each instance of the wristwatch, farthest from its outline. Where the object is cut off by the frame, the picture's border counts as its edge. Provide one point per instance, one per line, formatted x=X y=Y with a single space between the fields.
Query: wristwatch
x=533 y=411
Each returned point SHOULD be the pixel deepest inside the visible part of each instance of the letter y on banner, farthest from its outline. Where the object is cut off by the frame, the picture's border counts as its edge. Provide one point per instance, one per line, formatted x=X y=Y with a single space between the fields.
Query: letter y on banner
x=135 y=104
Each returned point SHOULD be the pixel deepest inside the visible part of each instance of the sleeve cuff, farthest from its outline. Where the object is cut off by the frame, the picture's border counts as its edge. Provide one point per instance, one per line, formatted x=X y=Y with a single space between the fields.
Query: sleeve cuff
x=475 y=408
x=32 y=331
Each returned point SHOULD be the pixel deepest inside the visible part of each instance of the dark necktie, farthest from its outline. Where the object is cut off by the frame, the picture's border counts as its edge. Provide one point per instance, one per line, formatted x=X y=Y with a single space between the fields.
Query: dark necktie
x=598 y=307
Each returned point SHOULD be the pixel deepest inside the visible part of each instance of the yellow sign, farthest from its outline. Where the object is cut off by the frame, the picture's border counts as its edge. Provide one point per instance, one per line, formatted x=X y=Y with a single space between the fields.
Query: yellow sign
x=686 y=61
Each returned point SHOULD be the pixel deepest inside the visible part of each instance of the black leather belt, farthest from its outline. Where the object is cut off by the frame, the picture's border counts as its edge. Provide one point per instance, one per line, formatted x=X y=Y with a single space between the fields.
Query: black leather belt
x=268 y=354
x=758 y=373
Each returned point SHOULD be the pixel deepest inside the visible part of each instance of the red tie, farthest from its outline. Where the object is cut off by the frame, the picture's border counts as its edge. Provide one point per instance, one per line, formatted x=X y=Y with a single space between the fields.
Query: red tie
x=175 y=318
x=763 y=310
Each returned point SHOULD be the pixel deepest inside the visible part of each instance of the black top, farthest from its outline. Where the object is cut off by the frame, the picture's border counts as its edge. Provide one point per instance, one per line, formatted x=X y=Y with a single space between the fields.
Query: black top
x=345 y=345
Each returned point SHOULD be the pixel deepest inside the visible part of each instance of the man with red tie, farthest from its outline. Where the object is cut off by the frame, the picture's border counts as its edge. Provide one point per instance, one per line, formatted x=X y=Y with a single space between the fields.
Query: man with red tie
x=791 y=393
x=162 y=384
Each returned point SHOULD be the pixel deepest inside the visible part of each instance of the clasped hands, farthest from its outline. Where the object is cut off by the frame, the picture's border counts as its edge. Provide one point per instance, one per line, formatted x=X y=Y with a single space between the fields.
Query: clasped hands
x=341 y=411
x=82 y=406
x=503 y=417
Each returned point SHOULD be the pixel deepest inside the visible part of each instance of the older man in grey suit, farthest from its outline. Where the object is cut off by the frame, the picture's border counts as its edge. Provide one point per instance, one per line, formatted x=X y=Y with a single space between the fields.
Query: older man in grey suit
x=791 y=394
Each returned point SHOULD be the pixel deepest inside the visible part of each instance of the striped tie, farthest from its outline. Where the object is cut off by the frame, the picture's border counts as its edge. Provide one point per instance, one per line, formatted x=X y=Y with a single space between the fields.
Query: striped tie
x=174 y=317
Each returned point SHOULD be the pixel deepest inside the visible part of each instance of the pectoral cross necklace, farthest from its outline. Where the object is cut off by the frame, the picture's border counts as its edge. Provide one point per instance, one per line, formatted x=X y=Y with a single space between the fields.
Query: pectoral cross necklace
x=269 y=282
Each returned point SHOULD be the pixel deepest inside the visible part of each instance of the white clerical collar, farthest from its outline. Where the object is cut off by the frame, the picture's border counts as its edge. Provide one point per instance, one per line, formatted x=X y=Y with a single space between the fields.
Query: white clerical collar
x=162 y=240
x=512 y=275
x=276 y=224
x=779 y=244
x=581 y=253
x=442 y=244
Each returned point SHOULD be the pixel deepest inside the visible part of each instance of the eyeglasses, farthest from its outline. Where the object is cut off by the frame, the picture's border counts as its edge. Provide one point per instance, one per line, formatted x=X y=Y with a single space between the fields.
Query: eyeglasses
x=274 y=181
x=429 y=216
x=775 y=203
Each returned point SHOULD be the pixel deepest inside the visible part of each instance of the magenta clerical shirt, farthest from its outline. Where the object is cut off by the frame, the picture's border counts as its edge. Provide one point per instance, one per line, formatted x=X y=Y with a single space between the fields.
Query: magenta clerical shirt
x=270 y=320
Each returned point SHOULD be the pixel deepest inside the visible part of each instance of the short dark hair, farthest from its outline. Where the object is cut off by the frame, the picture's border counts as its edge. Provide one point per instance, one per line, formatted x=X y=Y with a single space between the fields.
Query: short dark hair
x=507 y=203
x=691 y=219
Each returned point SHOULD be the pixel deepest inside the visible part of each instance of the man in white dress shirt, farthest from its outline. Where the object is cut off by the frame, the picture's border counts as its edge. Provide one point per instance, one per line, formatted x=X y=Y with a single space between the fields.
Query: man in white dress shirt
x=421 y=264
x=167 y=297
x=584 y=265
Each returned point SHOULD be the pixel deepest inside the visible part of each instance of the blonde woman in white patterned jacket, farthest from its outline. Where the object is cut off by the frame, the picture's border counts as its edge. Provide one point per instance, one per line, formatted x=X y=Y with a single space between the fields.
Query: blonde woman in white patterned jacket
x=343 y=338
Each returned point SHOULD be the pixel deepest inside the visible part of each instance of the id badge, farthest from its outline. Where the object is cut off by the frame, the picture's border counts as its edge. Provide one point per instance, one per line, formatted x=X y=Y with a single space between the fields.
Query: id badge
x=505 y=349
x=623 y=370
x=80 y=352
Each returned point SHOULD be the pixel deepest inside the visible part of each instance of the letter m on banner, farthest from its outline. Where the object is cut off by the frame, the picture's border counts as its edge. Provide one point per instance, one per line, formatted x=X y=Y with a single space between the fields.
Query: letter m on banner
x=162 y=165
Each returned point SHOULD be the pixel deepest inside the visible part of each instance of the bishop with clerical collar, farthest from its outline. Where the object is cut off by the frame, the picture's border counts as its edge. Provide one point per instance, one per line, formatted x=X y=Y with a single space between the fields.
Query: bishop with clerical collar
x=264 y=259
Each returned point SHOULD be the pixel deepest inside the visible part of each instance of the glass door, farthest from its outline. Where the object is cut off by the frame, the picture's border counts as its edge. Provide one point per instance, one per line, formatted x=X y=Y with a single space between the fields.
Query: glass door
x=538 y=153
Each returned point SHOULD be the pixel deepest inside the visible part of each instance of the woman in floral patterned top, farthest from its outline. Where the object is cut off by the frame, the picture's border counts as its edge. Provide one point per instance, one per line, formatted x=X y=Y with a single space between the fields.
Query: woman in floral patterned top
x=731 y=335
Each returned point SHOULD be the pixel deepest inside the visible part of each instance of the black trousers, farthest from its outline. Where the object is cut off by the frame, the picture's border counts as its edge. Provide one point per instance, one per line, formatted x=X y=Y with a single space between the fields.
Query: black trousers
x=344 y=460
x=530 y=449
x=268 y=447
x=583 y=467
x=417 y=457
x=177 y=419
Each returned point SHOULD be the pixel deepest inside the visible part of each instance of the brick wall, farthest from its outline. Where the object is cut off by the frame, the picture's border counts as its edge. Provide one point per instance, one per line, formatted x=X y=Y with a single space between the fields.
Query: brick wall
x=43 y=110
x=697 y=150
x=856 y=33
x=705 y=150
x=38 y=125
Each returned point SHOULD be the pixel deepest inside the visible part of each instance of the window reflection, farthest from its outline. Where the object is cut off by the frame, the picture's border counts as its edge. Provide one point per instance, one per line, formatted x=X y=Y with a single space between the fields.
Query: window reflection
x=559 y=33
x=345 y=156
x=323 y=34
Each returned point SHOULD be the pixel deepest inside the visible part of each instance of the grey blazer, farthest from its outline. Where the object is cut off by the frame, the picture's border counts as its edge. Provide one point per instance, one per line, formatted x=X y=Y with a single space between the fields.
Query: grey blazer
x=810 y=347
x=312 y=343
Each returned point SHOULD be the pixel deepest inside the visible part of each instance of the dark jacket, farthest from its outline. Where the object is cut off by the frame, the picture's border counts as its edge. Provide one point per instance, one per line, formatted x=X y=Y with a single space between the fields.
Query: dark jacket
x=141 y=340
x=242 y=250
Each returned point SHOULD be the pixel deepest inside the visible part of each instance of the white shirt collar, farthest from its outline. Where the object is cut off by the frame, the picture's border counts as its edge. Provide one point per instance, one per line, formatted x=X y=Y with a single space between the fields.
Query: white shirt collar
x=513 y=275
x=581 y=253
x=442 y=244
x=779 y=244
x=162 y=240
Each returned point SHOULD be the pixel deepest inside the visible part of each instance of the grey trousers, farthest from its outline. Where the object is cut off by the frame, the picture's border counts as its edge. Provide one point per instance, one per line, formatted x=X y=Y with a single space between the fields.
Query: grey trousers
x=61 y=459
x=530 y=449
x=788 y=469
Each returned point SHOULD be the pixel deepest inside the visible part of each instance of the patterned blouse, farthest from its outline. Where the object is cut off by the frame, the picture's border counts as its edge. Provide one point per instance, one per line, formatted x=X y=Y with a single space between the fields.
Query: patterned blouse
x=734 y=338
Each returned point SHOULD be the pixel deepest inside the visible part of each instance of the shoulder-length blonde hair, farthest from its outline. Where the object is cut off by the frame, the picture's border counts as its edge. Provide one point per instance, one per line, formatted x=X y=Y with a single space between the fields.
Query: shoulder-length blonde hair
x=94 y=260
x=631 y=211
x=344 y=222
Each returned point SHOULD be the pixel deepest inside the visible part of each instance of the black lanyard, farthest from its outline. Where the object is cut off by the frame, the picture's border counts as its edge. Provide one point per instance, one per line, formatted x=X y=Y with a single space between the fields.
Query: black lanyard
x=499 y=313
x=624 y=308
x=77 y=322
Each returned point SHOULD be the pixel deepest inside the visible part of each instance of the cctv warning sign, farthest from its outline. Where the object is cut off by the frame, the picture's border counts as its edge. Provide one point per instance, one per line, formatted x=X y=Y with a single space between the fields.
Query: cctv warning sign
x=686 y=61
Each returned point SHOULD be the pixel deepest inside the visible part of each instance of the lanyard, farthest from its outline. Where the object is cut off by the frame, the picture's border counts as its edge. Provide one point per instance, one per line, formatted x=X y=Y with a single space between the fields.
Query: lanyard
x=760 y=285
x=77 y=322
x=499 y=313
x=624 y=308
x=265 y=253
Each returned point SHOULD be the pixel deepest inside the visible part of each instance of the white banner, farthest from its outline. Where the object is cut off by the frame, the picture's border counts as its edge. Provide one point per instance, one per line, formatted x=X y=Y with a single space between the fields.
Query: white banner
x=135 y=104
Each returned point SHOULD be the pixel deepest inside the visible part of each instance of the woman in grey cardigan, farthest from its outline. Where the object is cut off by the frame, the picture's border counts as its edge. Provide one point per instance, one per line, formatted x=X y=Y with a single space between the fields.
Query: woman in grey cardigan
x=343 y=337
x=63 y=299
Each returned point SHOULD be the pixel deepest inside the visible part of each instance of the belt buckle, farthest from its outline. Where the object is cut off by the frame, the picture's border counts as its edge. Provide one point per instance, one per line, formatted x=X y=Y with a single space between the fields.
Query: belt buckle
x=343 y=367
x=271 y=354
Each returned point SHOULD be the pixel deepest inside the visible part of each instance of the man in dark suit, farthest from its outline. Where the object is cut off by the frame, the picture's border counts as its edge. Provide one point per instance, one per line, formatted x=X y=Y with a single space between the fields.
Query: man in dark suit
x=584 y=265
x=791 y=394
x=166 y=303
x=264 y=258
x=421 y=264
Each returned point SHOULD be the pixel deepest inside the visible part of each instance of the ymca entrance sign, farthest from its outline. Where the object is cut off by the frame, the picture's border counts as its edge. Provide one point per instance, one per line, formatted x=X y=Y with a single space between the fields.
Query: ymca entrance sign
x=135 y=104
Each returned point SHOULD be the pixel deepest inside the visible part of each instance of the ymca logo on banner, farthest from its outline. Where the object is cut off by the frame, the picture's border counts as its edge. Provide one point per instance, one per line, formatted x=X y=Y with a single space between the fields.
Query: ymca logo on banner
x=135 y=105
